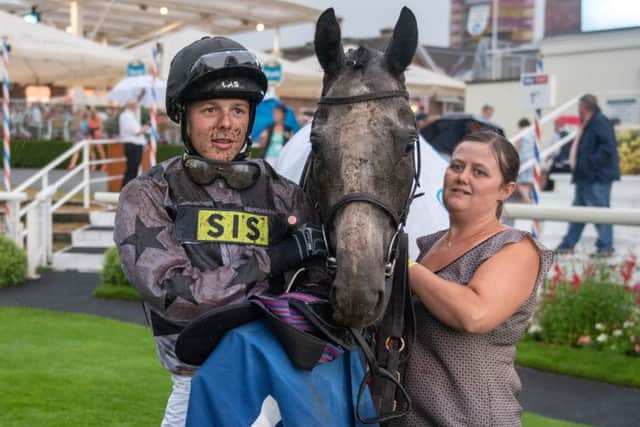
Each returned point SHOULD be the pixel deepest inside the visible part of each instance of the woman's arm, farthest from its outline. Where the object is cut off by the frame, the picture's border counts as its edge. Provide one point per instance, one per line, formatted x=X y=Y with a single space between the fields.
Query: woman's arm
x=497 y=289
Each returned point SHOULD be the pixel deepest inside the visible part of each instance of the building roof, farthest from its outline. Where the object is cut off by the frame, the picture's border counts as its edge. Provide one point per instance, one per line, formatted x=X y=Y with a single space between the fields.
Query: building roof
x=131 y=22
x=454 y=62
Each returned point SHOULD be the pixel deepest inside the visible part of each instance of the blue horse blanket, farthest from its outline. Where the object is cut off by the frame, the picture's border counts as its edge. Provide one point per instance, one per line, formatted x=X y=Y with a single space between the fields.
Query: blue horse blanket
x=249 y=381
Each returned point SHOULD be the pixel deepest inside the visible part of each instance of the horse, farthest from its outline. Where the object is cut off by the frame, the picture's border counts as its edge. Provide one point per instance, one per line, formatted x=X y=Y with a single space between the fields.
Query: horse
x=361 y=170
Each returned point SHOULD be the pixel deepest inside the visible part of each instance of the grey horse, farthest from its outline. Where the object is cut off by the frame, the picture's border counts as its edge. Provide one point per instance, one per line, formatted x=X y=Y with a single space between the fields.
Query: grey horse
x=362 y=138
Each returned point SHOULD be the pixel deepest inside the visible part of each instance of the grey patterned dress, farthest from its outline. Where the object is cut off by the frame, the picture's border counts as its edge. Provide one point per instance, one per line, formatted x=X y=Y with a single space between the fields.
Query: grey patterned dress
x=462 y=379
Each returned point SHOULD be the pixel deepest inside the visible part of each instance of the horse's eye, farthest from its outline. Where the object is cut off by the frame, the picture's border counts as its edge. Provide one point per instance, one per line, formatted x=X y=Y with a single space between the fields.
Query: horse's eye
x=411 y=145
x=411 y=141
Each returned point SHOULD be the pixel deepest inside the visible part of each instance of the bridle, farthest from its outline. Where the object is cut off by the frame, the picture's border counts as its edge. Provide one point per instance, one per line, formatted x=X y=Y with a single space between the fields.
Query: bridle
x=398 y=318
x=399 y=218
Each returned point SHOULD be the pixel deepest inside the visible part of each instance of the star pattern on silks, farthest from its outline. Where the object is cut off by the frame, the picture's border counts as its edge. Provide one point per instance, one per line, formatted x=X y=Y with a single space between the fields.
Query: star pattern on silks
x=178 y=286
x=144 y=237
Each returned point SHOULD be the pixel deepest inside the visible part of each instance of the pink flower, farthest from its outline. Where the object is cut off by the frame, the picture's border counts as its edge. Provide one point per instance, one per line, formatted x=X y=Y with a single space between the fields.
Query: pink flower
x=627 y=267
x=636 y=348
x=558 y=274
x=575 y=281
x=584 y=340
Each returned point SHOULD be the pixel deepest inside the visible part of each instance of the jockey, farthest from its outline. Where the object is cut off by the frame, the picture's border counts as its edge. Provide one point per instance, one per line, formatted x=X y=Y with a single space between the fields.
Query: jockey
x=212 y=227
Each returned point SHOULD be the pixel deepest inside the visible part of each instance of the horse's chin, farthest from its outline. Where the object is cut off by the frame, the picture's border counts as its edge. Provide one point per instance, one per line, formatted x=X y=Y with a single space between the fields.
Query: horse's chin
x=356 y=309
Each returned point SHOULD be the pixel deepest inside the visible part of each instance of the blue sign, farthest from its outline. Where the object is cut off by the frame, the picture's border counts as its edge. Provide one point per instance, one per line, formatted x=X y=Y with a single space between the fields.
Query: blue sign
x=136 y=68
x=273 y=71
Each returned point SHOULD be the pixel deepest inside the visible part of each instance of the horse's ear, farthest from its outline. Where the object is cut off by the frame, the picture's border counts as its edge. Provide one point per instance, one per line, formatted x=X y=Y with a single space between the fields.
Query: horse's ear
x=328 y=42
x=403 y=43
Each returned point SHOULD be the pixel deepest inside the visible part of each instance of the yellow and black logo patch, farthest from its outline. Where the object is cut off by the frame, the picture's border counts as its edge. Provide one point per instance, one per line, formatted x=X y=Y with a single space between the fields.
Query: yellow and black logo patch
x=232 y=227
x=199 y=224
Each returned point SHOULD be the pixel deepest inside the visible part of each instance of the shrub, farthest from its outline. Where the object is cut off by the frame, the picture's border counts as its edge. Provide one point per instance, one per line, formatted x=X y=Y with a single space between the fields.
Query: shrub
x=13 y=263
x=629 y=150
x=112 y=273
x=593 y=310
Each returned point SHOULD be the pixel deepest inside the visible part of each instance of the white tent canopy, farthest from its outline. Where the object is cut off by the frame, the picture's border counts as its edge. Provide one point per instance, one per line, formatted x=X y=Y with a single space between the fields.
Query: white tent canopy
x=128 y=23
x=295 y=75
x=42 y=54
x=419 y=81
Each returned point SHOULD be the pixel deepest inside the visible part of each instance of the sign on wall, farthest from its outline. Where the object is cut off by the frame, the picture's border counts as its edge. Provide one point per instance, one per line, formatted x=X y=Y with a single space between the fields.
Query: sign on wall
x=538 y=90
x=477 y=18
x=273 y=71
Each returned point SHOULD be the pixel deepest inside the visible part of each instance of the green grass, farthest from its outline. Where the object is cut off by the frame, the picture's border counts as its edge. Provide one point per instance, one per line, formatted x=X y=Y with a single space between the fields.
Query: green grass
x=597 y=365
x=116 y=292
x=533 y=420
x=66 y=369
x=61 y=369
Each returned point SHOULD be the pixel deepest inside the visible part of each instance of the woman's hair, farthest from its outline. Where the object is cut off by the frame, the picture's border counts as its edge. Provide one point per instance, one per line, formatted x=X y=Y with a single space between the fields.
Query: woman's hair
x=505 y=153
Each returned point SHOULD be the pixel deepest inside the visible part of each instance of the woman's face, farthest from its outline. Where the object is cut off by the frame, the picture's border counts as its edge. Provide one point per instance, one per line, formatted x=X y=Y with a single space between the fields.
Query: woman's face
x=473 y=181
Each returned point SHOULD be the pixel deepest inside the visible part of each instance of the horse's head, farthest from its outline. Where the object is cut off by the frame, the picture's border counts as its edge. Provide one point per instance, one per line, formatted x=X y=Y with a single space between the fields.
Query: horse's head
x=362 y=139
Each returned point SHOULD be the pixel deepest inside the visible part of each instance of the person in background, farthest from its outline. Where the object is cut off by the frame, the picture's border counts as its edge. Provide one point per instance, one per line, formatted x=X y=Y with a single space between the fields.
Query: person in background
x=132 y=133
x=595 y=164
x=475 y=287
x=275 y=136
x=36 y=121
x=526 y=151
x=421 y=120
x=80 y=128
x=95 y=132
x=487 y=112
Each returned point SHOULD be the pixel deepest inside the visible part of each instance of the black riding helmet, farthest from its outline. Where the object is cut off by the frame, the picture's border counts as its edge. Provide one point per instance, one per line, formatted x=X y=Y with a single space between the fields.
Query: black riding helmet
x=213 y=67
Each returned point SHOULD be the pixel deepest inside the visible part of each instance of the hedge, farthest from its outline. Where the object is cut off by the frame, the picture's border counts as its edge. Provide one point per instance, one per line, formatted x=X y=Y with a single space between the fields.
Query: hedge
x=39 y=153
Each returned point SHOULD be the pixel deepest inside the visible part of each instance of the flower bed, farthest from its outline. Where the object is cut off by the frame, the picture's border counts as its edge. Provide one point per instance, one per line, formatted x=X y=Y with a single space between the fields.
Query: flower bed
x=598 y=308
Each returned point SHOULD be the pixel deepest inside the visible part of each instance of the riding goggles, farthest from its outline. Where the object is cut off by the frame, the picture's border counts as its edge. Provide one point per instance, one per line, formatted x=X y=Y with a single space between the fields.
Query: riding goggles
x=229 y=58
x=238 y=175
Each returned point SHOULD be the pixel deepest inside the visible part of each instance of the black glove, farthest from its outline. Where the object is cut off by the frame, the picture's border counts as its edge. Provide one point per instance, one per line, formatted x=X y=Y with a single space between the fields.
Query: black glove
x=305 y=242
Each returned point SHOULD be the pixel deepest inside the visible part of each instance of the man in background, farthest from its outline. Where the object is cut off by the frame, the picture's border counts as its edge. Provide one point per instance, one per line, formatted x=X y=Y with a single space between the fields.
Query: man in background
x=595 y=165
x=487 y=112
x=132 y=133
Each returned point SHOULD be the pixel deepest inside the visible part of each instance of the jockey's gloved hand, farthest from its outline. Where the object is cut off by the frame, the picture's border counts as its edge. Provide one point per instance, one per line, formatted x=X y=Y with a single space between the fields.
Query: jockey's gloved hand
x=305 y=242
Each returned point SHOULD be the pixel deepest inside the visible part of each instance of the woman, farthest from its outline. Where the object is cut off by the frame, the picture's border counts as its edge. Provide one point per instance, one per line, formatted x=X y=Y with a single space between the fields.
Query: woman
x=80 y=126
x=275 y=136
x=95 y=132
x=475 y=287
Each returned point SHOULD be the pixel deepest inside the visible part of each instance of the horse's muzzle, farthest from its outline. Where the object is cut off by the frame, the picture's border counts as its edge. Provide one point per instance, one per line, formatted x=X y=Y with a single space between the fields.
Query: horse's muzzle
x=356 y=307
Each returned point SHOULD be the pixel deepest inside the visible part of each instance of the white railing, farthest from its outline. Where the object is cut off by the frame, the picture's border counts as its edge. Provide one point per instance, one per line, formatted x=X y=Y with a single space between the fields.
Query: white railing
x=38 y=228
x=581 y=214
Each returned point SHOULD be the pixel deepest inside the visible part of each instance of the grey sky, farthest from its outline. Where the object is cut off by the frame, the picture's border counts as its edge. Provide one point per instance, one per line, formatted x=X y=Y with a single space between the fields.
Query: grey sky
x=363 y=18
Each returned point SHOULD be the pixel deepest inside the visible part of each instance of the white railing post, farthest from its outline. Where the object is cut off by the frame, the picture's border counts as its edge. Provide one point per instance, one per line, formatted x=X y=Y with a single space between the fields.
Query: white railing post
x=86 y=177
x=13 y=222
x=44 y=200
x=34 y=235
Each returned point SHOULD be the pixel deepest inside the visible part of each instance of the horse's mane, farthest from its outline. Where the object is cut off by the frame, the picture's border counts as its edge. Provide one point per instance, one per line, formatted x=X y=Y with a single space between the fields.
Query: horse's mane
x=358 y=58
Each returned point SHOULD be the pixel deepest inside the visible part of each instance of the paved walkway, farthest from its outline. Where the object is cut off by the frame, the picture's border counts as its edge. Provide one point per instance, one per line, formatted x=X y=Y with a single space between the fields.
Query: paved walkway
x=552 y=395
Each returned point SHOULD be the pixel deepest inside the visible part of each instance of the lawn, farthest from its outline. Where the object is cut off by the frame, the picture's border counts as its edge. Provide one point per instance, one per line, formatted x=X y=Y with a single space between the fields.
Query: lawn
x=603 y=366
x=63 y=369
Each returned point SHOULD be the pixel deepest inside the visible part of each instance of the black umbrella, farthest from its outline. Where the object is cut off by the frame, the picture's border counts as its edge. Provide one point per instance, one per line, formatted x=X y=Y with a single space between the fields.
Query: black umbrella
x=444 y=133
